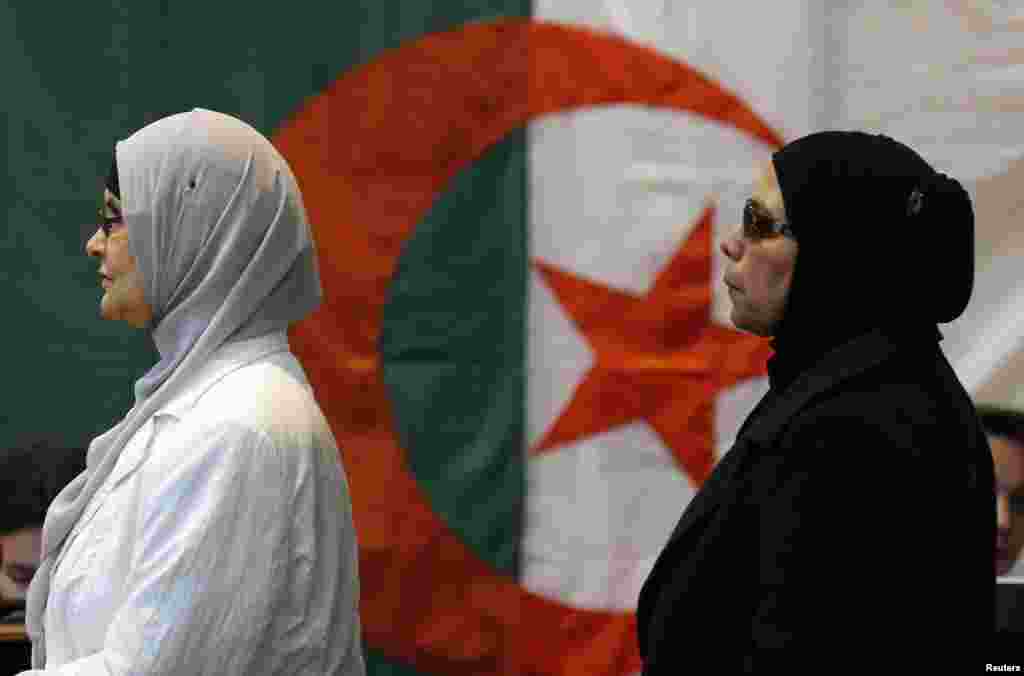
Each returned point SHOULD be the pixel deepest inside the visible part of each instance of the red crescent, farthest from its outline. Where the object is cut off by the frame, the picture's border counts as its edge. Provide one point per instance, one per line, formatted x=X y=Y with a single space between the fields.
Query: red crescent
x=372 y=153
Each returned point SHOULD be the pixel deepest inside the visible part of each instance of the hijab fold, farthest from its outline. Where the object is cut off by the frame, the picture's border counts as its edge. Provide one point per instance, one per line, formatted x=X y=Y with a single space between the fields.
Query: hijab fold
x=218 y=230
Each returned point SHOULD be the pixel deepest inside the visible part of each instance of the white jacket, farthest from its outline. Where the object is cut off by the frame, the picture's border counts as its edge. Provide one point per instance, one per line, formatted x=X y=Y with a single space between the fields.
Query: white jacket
x=222 y=543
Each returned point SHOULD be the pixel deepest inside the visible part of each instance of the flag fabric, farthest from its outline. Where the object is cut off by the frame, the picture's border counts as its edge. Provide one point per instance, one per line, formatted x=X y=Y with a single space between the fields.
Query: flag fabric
x=420 y=347
x=524 y=349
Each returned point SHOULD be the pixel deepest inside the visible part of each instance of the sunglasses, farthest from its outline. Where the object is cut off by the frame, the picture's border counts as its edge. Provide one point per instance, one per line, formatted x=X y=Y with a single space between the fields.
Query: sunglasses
x=758 y=224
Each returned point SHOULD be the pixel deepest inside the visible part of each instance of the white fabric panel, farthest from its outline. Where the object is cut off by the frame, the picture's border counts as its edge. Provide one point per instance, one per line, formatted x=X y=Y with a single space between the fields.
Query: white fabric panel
x=615 y=192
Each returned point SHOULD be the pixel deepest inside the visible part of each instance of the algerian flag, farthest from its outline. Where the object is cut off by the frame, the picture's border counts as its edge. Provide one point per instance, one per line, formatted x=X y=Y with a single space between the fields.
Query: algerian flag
x=599 y=309
x=525 y=351
x=490 y=309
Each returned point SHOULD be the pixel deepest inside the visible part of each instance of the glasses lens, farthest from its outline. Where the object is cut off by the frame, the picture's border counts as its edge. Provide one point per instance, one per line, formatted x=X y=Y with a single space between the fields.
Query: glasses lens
x=759 y=224
x=753 y=223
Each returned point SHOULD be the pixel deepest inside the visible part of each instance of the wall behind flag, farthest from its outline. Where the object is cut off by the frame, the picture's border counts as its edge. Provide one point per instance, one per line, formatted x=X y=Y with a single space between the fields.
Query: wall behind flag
x=616 y=194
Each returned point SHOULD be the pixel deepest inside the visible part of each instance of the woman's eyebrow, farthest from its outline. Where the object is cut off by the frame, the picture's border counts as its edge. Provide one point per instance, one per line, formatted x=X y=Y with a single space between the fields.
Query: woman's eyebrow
x=759 y=206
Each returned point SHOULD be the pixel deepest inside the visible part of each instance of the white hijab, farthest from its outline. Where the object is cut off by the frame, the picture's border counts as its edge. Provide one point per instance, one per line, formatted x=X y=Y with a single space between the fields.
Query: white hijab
x=217 y=227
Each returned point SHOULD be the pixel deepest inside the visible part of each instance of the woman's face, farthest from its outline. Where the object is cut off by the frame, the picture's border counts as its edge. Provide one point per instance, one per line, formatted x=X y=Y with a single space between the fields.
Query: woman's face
x=760 y=270
x=124 y=297
x=1008 y=458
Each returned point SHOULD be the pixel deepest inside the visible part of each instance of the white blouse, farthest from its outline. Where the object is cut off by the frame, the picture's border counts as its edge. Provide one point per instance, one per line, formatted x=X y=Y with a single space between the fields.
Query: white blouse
x=222 y=543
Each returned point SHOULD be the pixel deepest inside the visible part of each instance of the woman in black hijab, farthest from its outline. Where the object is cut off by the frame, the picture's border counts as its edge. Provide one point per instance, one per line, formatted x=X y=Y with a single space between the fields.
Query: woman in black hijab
x=808 y=549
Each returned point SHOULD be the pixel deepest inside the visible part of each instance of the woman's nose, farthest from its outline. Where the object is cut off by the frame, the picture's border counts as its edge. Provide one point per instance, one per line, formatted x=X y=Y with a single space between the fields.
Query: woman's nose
x=94 y=247
x=732 y=246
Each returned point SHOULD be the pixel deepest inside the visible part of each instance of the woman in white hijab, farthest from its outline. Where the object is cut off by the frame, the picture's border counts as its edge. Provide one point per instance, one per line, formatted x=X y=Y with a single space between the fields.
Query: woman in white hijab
x=211 y=532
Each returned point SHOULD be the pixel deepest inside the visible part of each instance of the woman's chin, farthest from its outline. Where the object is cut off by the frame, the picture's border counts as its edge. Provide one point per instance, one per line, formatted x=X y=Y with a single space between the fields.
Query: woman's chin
x=743 y=323
x=110 y=309
x=106 y=308
x=737 y=318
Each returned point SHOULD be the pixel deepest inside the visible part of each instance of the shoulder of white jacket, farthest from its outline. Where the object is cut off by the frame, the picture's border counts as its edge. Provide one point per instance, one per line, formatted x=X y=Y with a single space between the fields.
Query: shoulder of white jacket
x=264 y=397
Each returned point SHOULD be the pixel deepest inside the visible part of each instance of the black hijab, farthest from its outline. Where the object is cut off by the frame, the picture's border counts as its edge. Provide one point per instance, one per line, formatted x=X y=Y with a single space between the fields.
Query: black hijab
x=884 y=242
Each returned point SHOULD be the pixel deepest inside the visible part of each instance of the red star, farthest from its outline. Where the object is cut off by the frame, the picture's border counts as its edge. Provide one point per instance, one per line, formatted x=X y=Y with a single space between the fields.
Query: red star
x=659 y=358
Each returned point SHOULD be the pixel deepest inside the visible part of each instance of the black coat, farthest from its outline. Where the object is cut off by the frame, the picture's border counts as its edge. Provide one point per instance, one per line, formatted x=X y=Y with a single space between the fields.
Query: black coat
x=852 y=525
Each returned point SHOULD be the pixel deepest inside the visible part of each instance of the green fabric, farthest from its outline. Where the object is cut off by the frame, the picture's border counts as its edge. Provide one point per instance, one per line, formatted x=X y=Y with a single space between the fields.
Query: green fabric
x=81 y=76
x=454 y=345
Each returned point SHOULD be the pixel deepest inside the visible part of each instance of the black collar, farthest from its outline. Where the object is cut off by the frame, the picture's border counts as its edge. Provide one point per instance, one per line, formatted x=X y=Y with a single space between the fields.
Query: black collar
x=797 y=386
x=761 y=430
x=793 y=357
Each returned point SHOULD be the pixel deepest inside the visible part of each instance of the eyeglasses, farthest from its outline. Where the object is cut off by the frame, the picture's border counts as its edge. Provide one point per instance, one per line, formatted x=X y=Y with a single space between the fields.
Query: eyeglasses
x=758 y=225
x=107 y=223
